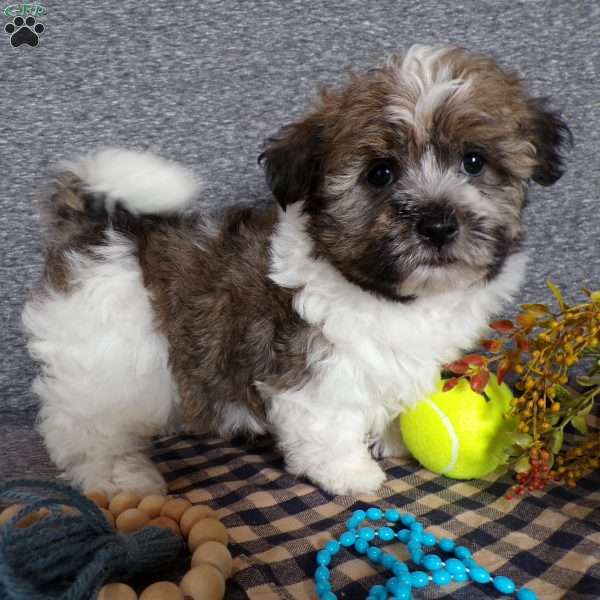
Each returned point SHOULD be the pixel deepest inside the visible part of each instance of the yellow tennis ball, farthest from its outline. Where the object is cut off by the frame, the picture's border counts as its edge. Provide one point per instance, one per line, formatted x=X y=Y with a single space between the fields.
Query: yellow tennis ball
x=460 y=433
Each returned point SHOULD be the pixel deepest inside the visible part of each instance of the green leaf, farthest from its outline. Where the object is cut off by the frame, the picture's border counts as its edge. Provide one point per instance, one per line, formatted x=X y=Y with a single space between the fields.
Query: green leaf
x=585 y=381
x=557 y=294
x=523 y=440
x=557 y=439
x=523 y=465
x=580 y=424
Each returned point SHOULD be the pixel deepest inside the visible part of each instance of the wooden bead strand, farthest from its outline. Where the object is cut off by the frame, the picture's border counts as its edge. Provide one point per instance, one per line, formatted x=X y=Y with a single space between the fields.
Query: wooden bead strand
x=206 y=537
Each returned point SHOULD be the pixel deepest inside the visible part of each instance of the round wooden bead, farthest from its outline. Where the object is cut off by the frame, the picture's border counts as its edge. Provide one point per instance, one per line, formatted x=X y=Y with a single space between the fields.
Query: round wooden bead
x=98 y=497
x=122 y=501
x=108 y=516
x=174 y=508
x=162 y=590
x=203 y=583
x=116 y=591
x=165 y=523
x=207 y=530
x=131 y=520
x=194 y=514
x=152 y=505
x=8 y=513
x=215 y=554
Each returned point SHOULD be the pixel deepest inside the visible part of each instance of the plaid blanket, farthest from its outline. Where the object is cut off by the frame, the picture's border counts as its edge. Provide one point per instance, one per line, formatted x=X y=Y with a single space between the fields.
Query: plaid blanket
x=549 y=542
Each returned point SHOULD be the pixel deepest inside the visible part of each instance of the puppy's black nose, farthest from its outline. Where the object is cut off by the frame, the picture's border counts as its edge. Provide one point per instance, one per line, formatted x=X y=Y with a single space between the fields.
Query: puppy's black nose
x=439 y=228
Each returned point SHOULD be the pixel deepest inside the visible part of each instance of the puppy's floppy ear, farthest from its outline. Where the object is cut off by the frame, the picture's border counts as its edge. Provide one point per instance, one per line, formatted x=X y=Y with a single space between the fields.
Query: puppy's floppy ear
x=292 y=161
x=550 y=136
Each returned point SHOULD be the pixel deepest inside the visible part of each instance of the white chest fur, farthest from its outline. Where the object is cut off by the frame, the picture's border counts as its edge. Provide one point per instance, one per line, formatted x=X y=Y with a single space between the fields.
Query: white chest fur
x=384 y=355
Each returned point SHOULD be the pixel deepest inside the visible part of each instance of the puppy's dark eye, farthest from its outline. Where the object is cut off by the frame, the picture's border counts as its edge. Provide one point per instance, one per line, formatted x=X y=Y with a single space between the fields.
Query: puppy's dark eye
x=381 y=173
x=473 y=163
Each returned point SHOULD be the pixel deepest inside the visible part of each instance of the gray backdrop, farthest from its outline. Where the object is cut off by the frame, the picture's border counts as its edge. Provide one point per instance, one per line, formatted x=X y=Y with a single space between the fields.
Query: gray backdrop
x=206 y=82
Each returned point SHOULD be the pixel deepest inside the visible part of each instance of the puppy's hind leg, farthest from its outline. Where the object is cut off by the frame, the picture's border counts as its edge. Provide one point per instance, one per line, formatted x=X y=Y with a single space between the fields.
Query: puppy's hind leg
x=105 y=386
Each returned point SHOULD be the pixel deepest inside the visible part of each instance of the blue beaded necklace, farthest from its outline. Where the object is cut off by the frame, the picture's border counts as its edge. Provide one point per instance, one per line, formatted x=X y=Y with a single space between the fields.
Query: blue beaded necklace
x=459 y=567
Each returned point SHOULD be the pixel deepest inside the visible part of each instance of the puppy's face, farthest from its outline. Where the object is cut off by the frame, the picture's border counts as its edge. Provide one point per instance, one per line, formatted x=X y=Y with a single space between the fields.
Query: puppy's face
x=414 y=176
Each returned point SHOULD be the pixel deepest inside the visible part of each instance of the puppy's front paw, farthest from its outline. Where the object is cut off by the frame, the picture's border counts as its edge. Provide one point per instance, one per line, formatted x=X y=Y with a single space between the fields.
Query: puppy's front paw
x=389 y=446
x=350 y=477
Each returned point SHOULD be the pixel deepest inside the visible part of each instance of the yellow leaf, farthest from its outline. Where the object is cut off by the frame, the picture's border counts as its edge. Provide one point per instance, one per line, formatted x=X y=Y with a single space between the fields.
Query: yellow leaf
x=557 y=294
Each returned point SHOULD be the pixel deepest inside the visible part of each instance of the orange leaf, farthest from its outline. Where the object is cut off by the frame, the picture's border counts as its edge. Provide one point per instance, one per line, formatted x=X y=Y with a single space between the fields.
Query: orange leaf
x=522 y=343
x=503 y=326
x=458 y=367
x=473 y=359
x=503 y=369
x=493 y=346
x=480 y=380
x=450 y=383
x=526 y=320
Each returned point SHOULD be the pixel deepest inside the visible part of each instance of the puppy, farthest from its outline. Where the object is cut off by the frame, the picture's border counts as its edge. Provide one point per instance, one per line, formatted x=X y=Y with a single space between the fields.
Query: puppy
x=317 y=318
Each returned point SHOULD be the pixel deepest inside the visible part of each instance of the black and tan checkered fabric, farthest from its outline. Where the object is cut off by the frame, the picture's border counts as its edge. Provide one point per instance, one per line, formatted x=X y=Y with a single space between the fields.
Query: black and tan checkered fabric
x=549 y=542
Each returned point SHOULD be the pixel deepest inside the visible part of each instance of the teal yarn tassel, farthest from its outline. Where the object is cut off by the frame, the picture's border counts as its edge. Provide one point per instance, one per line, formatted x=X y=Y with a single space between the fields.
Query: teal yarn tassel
x=70 y=557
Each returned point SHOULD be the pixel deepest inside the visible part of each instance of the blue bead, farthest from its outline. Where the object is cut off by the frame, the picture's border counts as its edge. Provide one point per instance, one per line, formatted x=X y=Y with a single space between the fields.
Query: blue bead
x=379 y=592
x=503 y=584
x=455 y=566
x=323 y=558
x=399 y=568
x=366 y=533
x=392 y=584
x=388 y=561
x=429 y=540
x=374 y=514
x=417 y=537
x=416 y=557
x=328 y=596
x=374 y=554
x=446 y=545
x=469 y=562
x=405 y=579
x=347 y=538
x=322 y=587
x=392 y=515
x=360 y=515
x=352 y=523
x=419 y=579
x=386 y=534
x=322 y=574
x=403 y=592
x=404 y=535
x=407 y=519
x=432 y=562
x=332 y=547
x=441 y=577
x=361 y=546
x=460 y=577
x=462 y=552
x=416 y=527
x=479 y=574
x=526 y=594
x=413 y=546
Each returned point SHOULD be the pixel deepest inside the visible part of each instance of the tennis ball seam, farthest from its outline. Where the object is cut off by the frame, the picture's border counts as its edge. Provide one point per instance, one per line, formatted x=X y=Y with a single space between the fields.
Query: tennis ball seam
x=451 y=432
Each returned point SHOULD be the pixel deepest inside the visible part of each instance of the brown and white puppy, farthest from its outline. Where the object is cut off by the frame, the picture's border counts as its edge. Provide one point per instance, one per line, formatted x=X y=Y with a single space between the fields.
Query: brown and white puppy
x=398 y=233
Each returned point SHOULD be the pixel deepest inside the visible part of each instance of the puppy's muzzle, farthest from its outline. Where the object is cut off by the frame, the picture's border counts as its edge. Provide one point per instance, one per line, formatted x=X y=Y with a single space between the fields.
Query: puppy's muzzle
x=438 y=227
